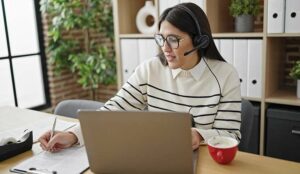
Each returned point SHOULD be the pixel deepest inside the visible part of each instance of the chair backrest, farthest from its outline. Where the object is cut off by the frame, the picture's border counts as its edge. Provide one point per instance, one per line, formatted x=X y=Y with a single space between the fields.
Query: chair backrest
x=69 y=108
x=246 y=125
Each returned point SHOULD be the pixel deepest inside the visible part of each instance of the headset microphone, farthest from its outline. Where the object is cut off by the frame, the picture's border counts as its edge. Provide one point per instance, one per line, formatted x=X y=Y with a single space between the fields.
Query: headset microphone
x=204 y=42
x=192 y=50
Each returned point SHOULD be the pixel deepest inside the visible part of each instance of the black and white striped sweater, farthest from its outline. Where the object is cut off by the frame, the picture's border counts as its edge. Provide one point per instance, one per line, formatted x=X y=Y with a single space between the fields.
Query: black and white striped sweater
x=158 y=88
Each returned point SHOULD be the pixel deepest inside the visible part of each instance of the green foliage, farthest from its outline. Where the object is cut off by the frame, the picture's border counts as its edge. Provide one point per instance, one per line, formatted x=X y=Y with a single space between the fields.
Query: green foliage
x=93 y=68
x=240 y=7
x=295 y=71
x=88 y=58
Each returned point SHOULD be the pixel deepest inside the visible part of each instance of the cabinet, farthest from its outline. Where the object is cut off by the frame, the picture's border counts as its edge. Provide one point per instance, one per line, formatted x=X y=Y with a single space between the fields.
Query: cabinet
x=283 y=133
x=274 y=49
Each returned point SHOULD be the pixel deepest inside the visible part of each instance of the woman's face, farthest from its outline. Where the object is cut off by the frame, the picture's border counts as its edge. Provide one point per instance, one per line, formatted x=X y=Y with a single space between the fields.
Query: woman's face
x=175 y=56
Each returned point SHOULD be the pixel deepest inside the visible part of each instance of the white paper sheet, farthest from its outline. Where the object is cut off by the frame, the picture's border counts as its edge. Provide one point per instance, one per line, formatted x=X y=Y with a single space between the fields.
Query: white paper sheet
x=68 y=161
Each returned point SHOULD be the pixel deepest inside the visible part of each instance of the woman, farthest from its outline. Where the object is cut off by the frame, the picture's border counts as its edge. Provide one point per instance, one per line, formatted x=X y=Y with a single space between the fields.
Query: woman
x=190 y=75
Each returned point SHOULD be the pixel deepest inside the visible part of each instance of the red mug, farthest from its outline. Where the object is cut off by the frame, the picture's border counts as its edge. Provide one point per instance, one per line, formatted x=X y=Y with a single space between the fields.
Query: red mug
x=222 y=149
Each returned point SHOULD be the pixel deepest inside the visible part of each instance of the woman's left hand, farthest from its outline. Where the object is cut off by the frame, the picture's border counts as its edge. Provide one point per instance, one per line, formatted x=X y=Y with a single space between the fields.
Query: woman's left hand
x=196 y=139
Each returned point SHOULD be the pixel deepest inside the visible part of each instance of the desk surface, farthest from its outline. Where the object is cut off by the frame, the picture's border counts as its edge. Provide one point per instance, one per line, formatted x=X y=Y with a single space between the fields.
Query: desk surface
x=244 y=162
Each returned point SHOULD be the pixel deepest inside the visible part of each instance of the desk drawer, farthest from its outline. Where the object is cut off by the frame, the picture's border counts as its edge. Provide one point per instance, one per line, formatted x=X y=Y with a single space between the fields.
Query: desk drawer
x=283 y=133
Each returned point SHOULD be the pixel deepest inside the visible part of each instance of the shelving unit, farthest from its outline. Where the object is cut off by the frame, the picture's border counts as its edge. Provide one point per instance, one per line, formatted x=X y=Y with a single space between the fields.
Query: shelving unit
x=135 y=36
x=284 y=97
x=283 y=35
x=237 y=35
x=273 y=49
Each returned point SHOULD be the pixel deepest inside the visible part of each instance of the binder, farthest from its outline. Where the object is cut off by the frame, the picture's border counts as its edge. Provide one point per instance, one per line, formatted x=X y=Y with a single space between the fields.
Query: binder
x=254 y=68
x=129 y=57
x=164 y=4
x=226 y=49
x=147 y=49
x=276 y=12
x=240 y=59
x=292 y=16
x=200 y=3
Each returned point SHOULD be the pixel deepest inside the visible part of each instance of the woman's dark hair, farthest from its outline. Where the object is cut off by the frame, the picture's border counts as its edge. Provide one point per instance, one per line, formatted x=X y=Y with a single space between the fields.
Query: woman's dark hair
x=182 y=20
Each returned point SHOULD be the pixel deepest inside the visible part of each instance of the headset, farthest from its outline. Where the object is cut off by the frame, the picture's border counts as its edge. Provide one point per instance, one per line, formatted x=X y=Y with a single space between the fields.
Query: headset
x=201 y=42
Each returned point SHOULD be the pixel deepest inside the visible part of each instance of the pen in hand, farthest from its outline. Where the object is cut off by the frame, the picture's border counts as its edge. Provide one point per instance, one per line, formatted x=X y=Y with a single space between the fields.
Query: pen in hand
x=53 y=128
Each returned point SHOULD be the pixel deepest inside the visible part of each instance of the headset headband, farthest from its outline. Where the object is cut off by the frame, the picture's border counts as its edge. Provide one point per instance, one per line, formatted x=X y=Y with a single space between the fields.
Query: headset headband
x=193 y=16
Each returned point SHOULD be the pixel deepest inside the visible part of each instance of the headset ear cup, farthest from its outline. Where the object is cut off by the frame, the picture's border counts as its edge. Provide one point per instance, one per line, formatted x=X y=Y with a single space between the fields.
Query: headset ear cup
x=197 y=41
x=202 y=41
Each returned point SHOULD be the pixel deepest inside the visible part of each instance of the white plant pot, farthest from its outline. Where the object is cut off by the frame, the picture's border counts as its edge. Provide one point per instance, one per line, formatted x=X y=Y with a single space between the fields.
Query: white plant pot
x=298 y=88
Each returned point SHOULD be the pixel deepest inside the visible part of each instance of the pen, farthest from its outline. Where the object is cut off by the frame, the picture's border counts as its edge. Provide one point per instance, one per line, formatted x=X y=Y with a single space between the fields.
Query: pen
x=53 y=128
x=39 y=172
x=35 y=171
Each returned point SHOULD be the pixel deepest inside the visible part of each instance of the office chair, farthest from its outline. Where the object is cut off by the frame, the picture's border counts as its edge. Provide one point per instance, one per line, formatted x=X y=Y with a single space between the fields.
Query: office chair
x=247 y=125
x=69 y=108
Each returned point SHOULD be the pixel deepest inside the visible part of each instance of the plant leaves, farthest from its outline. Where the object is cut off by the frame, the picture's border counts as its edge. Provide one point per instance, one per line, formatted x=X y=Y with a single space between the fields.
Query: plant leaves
x=94 y=63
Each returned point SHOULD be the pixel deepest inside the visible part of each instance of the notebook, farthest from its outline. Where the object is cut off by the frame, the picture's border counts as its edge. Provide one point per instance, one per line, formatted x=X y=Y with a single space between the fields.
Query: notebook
x=137 y=142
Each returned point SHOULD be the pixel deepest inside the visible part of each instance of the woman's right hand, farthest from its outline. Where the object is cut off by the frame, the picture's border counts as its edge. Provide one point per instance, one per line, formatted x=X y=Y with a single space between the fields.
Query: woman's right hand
x=59 y=141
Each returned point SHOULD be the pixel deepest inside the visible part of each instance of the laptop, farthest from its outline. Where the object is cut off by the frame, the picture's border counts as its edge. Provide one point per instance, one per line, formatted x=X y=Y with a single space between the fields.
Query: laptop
x=137 y=142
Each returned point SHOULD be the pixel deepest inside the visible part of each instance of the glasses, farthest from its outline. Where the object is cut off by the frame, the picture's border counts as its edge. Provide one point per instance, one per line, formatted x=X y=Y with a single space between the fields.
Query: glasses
x=172 y=40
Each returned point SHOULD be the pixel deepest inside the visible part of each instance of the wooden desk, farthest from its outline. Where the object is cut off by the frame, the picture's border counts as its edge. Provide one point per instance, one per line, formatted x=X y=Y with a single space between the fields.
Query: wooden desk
x=244 y=163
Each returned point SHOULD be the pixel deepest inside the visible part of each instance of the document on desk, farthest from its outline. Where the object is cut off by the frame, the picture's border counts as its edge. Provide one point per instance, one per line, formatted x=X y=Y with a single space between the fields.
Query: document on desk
x=68 y=161
x=38 y=128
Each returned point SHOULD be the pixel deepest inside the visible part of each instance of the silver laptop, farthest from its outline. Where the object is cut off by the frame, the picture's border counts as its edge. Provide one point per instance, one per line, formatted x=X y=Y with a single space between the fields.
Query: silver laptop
x=137 y=142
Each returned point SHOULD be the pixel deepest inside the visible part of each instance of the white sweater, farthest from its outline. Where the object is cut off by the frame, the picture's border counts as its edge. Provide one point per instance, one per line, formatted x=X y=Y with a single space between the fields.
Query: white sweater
x=195 y=91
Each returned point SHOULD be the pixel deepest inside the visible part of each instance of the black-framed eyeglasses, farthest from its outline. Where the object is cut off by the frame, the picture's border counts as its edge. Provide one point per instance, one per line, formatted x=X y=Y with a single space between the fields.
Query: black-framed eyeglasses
x=172 y=40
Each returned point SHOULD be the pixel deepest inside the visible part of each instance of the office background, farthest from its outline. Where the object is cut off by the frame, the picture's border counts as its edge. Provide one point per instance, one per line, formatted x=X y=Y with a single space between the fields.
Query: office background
x=279 y=51
x=65 y=86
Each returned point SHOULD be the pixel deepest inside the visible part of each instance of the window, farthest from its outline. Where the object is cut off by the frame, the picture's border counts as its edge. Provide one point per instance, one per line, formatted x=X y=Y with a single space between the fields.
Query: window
x=23 y=80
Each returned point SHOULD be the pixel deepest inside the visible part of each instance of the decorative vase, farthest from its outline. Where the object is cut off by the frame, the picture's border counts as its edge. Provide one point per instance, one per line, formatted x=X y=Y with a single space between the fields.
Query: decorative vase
x=298 y=88
x=146 y=19
x=244 y=23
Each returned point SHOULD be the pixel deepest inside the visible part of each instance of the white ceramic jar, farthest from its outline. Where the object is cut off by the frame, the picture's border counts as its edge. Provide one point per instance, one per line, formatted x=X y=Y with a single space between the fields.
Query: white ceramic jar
x=149 y=10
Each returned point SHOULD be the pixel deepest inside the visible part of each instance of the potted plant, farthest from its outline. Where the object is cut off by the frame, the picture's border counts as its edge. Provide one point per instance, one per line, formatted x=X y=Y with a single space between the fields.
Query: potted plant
x=244 y=12
x=295 y=74
x=87 y=56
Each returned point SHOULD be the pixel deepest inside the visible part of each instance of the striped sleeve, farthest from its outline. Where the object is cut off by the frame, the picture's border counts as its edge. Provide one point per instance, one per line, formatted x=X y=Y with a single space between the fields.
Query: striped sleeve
x=131 y=96
x=228 y=119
